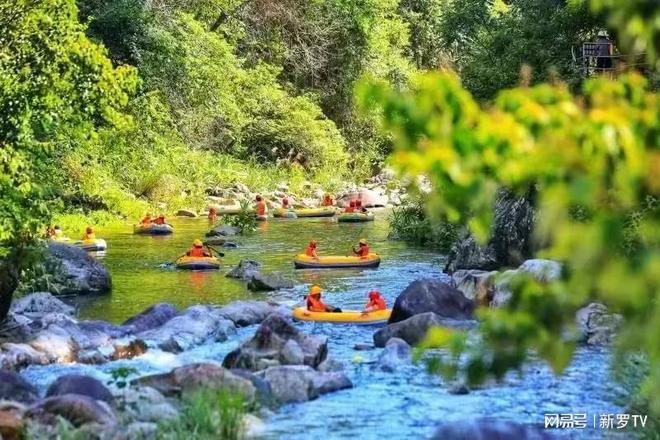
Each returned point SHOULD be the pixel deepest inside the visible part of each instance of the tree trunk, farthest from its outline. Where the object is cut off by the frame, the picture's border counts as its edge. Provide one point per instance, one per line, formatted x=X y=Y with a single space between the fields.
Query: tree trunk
x=8 y=283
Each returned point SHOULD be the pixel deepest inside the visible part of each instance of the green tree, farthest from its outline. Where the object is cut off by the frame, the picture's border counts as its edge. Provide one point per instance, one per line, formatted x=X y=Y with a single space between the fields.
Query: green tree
x=54 y=84
x=599 y=152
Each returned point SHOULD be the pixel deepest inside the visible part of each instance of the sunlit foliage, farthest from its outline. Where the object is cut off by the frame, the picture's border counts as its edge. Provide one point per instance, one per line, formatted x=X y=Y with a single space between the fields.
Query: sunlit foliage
x=599 y=152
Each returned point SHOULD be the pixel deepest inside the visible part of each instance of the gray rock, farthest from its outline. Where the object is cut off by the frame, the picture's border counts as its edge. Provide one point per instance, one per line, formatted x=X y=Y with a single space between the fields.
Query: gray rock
x=292 y=354
x=224 y=231
x=244 y=313
x=13 y=357
x=363 y=347
x=413 y=329
x=138 y=431
x=300 y=383
x=396 y=353
x=84 y=273
x=194 y=326
x=245 y=270
x=264 y=394
x=150 y=318
x=458 y=388
x=430 y=295
x=330 y=365
x=77 y=409
x=81 y=385
x=266 y=346
x=596 y=325
x=14 y=387
x=485 y=429
x=36 y=305
x=268 y=282
x=476 y=285
x=511 y=240
x=144 y=404
x=56 y=344
x=186 y=213
x=544 y=271
x=220 y=241
x=192 y=377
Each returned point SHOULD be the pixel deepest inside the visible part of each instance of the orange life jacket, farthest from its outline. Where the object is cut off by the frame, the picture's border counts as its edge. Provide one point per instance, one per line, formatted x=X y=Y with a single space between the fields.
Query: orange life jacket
x=91 y=236
x=159 y=221
x=262 y=209
x=146 y=221
x=310 y=251
x=349 y=209
x=197 y=252
x=363 y=251
x=377 y=303
x=314 y=304
x=327 y=201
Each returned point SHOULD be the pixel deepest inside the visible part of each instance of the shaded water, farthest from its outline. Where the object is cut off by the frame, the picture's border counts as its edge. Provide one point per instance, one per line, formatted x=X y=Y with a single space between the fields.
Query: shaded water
x=405 y=404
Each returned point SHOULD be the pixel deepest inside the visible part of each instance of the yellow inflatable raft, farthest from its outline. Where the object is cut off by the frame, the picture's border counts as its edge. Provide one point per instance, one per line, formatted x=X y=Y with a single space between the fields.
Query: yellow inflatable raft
x=306 y=212
x=355 y=217
x=356 y=317
x=197 y=263
x=94 y=245
x=302 y=261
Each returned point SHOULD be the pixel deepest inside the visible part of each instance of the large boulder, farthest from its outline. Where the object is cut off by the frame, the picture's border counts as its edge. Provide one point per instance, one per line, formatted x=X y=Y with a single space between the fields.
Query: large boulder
x=511 y=240
x=244 y=313
x=56 y=344
x=77 y=409
x=429 y=295
x=245 y=270
x=545 y=271
x=476 y=285
x=151 y=318
x=596 y=326
x=81 y=385
x=396 y=353
x=195 y=326
x=300 y=383
x=190 y=378
x=485 y=429
x=84 y=274
x=144 y=404
x=13 y=356
x=186 y=213
x=260 y=282
x=11 y=425
x=268 y=347
x=413 y=329
x=370 y=198
x=14 y=387
x=224 y=231
x=36 y=305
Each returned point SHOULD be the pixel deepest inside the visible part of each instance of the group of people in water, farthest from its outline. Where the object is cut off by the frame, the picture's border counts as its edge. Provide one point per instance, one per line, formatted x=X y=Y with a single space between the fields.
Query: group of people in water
x=148 y=220
x=56 y=233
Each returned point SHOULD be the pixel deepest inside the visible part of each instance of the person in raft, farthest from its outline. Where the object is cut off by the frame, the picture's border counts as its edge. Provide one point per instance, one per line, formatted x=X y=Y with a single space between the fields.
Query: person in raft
x=311 y=250
x=363 y=249
x=146 y=221
x=315 y=304
x=327 y=200
x=213 y=214
x=376 y=302
x=285 y=203
x=359 y=207
x=262 y=209
x=197 y=250
x=89 y=234
x=350 y=208
x=160 y=220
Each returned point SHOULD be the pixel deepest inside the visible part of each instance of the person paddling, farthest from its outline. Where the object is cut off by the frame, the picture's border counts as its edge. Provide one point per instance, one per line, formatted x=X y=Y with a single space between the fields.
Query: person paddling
x=363 y=249
x=261 y=208
x=315 y=304
x=327 y=200
x=351 y=207
x=375 y=302
x=197 y=250
x=311 y=250
x=160 y=220
x=146 y=221
x=89 y=234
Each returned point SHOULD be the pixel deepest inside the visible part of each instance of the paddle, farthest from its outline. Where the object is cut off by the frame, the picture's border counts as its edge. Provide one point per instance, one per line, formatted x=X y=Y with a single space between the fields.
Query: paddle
x=220 y=254
x=356 y=238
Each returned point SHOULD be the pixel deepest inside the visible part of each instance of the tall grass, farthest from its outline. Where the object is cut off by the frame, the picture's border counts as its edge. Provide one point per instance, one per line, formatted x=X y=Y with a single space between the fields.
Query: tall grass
x=207 y=414
x=411 y=223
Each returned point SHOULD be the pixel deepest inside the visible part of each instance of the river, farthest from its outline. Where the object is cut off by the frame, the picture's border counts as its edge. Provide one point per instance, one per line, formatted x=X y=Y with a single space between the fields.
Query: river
x=406 y=404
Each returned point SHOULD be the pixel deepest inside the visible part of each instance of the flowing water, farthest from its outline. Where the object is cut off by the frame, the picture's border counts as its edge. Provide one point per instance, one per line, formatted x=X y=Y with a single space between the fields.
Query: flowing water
x=406 y=404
